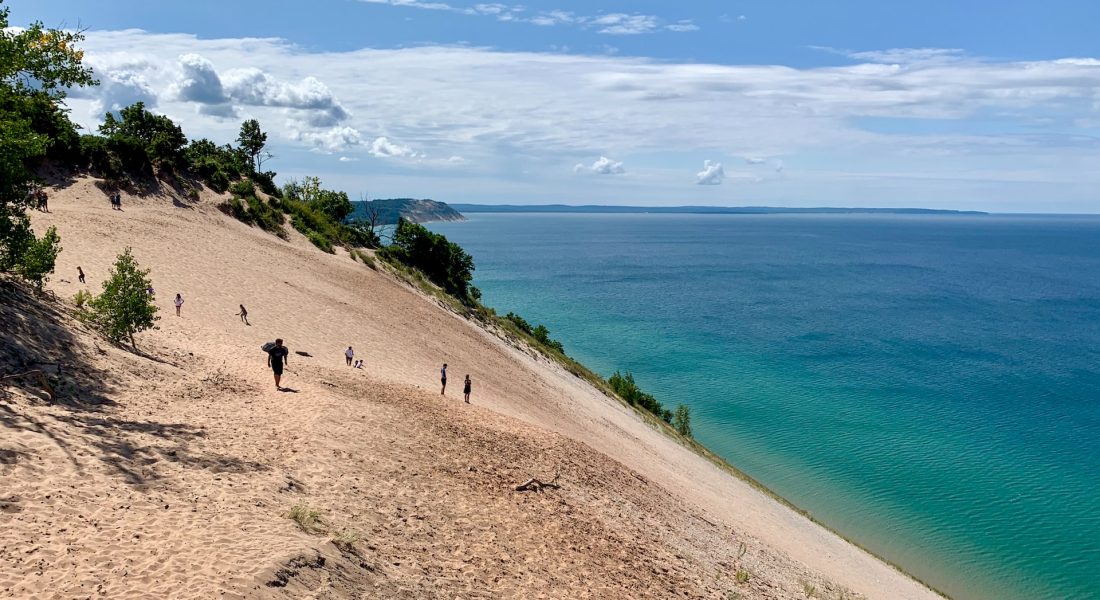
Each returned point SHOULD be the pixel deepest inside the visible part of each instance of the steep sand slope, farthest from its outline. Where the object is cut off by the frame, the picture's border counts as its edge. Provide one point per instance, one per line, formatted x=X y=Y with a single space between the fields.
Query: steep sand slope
x=425 y=481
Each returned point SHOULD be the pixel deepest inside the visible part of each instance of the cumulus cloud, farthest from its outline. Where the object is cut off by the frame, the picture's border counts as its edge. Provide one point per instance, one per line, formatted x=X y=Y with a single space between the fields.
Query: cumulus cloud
x=752 y=160
x=314 y=101
x=383 y=148
x=712 y=174
x=348 y=159
x=334 y=139
x=198 y=81
x=602 y=166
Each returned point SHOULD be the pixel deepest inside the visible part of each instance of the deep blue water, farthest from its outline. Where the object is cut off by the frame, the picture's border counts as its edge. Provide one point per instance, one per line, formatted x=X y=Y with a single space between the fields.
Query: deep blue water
x=927 y=386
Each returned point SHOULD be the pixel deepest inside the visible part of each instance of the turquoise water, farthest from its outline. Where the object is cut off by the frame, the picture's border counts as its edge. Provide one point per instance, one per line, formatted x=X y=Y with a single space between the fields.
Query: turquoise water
x=927 y=386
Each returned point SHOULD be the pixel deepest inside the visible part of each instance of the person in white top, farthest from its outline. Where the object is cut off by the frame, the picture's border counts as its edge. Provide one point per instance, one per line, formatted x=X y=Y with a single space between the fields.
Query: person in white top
x=179 y=303
x=349 y=354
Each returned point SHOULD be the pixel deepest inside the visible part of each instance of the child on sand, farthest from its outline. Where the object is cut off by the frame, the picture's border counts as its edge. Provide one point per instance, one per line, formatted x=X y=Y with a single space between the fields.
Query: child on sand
x=443 y=379
x=80 y=274
x=244 y=316
x=179 y=304
x=276 y=359
x=466 y=389
x=359 y=364
x=349 y=354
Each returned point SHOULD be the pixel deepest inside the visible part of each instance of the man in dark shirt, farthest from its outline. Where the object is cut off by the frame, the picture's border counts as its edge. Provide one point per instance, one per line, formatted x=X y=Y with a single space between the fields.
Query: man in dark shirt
x=276 y=358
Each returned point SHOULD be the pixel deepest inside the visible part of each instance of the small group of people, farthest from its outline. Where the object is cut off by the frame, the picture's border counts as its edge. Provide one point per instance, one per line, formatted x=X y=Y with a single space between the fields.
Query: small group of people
x=116 y=201
x=349 y=355
x=39 y=199
x=466 y=385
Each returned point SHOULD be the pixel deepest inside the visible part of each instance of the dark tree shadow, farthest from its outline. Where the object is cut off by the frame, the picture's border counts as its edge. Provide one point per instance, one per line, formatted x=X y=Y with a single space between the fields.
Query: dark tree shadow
x=40 y=335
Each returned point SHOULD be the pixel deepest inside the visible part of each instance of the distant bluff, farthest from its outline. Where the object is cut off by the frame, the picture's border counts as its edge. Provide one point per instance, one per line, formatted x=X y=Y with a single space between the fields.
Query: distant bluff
x=388 y=211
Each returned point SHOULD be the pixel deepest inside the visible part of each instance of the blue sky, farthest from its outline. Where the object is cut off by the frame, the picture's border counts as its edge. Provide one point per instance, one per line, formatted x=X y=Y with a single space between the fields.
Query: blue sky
x=979 y=104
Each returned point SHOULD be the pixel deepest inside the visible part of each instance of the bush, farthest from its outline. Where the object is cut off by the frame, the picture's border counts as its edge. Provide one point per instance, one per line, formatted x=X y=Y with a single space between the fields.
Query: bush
x=445 y=263
x=125 y=306
x=321 y=242
x=218 y=181
x=681 y=420
x=628 y=390
x=95 y=154
x=520 y=323
x=82 y=298
x=39 y=258
x=243 y=188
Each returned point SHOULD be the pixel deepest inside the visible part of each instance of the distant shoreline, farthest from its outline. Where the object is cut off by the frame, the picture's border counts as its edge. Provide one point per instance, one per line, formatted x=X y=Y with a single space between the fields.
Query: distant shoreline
x=698 y=210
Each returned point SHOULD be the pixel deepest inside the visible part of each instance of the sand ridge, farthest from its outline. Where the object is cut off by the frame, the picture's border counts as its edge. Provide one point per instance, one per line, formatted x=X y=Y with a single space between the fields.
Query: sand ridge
x=170 y=473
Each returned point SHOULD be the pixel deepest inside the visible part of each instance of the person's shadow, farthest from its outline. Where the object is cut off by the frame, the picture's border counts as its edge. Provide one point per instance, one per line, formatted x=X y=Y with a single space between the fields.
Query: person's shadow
x=288 y=390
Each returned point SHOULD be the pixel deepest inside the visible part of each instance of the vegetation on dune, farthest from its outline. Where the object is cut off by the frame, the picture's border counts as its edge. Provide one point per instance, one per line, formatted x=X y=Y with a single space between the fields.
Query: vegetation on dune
x=36 y=66
x=125 y=307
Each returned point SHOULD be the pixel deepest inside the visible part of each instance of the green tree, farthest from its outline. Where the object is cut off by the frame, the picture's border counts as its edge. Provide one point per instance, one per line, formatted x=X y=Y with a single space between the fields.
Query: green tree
x=37 y=65
x=253 y=141
x=444 y=262
x=142 y=139
x=125 y=306
x=40 y=257
x=681 y=420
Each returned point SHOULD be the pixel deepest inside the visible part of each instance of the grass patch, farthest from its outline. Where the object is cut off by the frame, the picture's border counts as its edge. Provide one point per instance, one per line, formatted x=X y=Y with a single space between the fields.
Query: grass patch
x=308 y=519
x=345 y=540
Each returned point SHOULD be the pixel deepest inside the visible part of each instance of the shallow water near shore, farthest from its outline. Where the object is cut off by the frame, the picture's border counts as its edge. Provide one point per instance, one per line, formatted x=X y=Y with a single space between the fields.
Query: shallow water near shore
x=928 y=386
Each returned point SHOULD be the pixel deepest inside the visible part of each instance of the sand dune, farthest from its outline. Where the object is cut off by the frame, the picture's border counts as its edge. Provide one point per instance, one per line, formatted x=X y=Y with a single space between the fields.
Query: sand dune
x=170 y=473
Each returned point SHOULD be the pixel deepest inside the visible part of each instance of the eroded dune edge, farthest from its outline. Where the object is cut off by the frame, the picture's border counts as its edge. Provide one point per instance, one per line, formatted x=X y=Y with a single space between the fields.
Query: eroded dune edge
x=172 y=472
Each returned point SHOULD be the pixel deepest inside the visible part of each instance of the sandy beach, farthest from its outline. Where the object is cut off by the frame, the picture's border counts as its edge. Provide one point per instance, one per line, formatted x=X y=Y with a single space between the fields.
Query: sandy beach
x=169 y=473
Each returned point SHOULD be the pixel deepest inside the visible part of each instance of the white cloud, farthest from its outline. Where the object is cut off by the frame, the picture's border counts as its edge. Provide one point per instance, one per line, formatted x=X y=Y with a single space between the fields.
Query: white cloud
x=330 y=140
x=542 y=109
x=383 y=148
x=712 y=174
x=345 y=159
x=602 y=166
x=752 y=160
x=610 y=24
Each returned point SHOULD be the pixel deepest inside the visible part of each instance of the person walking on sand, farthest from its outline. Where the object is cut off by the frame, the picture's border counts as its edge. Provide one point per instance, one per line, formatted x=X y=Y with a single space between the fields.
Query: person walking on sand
x=466 y=389
x=244 y=316
x=349 y=354
x=443 y=380
x=276 y=359
x=179 y=304
x=80 y=274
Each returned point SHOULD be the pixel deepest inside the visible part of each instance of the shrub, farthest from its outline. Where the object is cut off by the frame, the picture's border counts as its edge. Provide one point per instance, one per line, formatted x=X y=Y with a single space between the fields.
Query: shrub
x=681 y=420
x=82 y=298
x=243 y=188
x=39 y=258
x=125 y=306
x=308 y=519
x=321 y=242
x=218 y=181
x=628 y=390
x=520 y=323
x=445 y=263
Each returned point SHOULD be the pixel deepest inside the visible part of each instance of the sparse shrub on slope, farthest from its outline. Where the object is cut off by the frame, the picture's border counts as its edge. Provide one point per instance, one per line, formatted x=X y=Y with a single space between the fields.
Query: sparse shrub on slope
x=628 y=390
x=125 y=307
x=445 y=263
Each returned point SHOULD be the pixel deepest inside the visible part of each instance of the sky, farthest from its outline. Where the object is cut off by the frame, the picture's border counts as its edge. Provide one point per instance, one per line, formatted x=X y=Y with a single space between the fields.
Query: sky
x=985 y=105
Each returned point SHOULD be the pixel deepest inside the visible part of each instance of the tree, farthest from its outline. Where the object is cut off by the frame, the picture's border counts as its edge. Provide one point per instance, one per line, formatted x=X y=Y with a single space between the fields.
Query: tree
x=142 y=139
x=40 y=257
x=681 y=420
x=253 y=141
x=444 y=262
x=37 y=65
x=125 y=307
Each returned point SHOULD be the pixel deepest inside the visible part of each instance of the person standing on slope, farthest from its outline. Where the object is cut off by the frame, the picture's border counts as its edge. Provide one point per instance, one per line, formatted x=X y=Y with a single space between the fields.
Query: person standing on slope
x=179 y=304
x=466 y=389
x=80 y=274
x=276 y=359
x=443 y=379
x=349 y=354
x=244 y=316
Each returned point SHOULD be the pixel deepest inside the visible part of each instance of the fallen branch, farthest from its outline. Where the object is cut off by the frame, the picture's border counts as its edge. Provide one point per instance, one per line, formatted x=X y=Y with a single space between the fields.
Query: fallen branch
x=41 y=376
x=534 y=485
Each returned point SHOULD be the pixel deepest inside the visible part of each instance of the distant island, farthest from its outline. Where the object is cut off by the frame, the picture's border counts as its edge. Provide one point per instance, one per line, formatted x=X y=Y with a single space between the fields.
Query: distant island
x=706 y=210
x=388 y=211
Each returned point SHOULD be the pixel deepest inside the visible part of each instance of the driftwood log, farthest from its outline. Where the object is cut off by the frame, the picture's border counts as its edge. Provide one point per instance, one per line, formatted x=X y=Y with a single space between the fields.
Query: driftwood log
x=534 y=485
x=37 y=374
